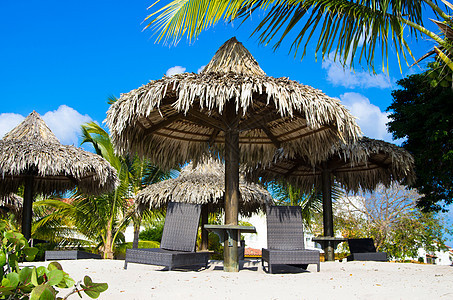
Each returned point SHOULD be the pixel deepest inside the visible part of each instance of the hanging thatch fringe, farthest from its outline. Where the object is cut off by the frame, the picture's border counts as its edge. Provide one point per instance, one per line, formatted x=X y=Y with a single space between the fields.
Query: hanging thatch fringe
x=11 y=201
x=203 y=183
x=364 y=165
x=177 y=118
x=32 y=149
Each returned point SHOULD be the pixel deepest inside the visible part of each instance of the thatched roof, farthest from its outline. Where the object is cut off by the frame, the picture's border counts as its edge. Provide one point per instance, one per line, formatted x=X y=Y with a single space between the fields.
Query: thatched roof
x=181 y=117
x=203 y=183
x=31 y=149
x=364 y=165
x=11 y=201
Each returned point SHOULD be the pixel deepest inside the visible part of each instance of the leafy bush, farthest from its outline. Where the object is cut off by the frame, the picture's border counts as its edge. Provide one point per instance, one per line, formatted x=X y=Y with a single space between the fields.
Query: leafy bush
x=153 y=233
x=35 y=283
x=120 y=250
x=42 y=248
x=215 y=245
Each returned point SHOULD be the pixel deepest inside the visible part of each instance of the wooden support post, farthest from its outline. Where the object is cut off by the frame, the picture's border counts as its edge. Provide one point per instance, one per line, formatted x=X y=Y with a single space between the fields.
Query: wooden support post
x=326 y=181
x=231 y=261
x=27 y=207
x=204 y=232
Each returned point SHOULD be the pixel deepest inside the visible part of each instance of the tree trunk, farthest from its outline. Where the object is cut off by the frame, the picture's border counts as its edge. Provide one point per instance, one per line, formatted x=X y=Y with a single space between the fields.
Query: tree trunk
x=136 y=232
x=108 y=252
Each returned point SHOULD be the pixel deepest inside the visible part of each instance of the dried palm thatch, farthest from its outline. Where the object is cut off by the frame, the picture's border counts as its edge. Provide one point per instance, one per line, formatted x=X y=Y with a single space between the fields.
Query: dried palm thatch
x=233 y=110
x=11 y=201
x=362 y=165
x=184 y=114
x=31 y=155
x=31 y=149
x=203 y=183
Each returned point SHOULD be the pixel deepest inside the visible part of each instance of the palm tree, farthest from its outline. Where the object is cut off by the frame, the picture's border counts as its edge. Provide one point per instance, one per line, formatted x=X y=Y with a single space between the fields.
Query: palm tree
x=341 y=25
x=134 y=174
x=311 y=202
x=106 y=215
x=144 y=173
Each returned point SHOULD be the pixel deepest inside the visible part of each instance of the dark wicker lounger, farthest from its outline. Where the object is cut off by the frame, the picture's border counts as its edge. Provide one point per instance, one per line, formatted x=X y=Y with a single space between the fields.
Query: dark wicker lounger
x=364 y=249
x=70 y=254
x=177 y=248
x=285 y=239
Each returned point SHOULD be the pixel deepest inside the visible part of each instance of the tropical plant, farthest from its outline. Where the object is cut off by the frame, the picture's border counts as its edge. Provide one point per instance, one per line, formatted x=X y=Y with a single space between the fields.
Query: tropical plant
x=99 y=219
x=311 y=202
x=390 y=217
x=342 y=26
x=134 y=174
x=422 y=114
x=35 y=283
x=144 y=173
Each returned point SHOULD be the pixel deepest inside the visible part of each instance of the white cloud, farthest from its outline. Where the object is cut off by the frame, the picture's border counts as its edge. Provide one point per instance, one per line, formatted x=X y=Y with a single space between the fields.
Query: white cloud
x=64 y=122
x=200 y=69
x=175 y=70
x=8 y=121
x=370 y=118
x=339 y=76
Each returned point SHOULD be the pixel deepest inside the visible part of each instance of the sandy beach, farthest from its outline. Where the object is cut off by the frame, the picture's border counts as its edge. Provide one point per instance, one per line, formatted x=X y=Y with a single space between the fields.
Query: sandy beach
x=337 y=280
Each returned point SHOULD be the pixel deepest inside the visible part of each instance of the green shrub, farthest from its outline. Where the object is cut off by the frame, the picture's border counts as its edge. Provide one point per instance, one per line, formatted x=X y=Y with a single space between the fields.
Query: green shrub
x=35 y=283
x=42 y=248
x=152 y=233
x=120 y=250
x=215 y=245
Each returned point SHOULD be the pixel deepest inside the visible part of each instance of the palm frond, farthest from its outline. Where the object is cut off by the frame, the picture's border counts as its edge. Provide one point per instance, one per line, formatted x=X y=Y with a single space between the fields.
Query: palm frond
x=342 y=25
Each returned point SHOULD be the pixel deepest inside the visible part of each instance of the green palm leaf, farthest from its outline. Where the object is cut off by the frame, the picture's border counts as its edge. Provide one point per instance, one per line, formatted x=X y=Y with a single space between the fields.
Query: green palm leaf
x=341 y=25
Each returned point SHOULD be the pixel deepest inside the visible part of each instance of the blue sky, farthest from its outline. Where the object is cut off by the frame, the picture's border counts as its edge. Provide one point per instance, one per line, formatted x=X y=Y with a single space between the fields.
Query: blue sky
x=64 y=59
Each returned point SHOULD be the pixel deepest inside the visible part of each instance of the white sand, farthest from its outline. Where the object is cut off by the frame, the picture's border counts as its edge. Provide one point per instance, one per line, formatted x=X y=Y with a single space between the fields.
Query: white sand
x=346 y=280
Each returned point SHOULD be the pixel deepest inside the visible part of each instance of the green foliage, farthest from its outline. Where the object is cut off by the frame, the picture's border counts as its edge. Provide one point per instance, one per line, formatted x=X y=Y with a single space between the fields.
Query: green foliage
x=413 y=231
x=120 y=249
x=42 y=248
x=34 y=283
x=342 y=26
x=311 y=203
x=108 y=215
x=214 y=244
x=153 y=233
x=390 y=217
x=423 y=114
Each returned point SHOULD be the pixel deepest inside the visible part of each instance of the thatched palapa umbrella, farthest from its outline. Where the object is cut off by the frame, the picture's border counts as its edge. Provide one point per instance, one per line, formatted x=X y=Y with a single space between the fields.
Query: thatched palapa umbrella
x=11 y=200
x=203 y=183
x=232 y=109
x=31 y=155
x=363 y=164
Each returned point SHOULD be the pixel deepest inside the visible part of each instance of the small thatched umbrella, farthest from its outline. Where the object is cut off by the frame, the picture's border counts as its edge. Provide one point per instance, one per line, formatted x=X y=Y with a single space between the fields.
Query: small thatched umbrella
x=12 y=203
x=232 y=109
x=363 y=164
x=31 y=155
x=11 y=200
x=203 y=183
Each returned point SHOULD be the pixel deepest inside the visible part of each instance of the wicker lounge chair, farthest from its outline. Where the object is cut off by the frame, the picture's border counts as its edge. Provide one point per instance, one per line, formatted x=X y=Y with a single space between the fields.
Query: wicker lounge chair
x=177 y=248
x=285 y=239
x=364 y=249
x=70 y=254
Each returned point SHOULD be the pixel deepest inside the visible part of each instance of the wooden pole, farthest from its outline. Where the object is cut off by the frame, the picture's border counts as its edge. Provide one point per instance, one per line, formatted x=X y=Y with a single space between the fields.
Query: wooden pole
x=326 y=181
x=204 y=232
x=27 y=207
x=230 y=260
